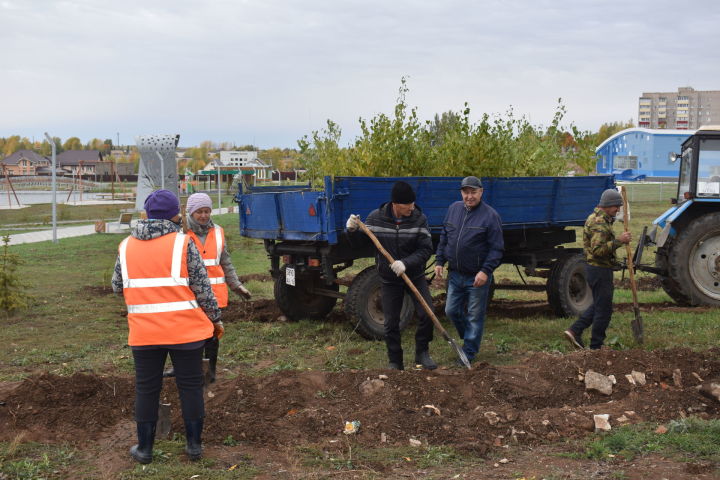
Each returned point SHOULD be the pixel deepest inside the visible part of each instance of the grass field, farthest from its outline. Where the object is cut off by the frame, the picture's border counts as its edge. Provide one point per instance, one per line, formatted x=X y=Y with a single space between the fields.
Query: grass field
x=75 y=324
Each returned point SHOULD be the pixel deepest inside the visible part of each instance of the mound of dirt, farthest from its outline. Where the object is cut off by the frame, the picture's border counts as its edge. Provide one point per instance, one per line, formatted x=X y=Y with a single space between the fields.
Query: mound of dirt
x=265 y=310
x=50 y=407
x=543 y=398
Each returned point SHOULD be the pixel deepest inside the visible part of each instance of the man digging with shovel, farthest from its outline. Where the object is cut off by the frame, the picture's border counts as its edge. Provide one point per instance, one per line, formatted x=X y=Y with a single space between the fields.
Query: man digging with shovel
x=599 y=243
x=401 y=228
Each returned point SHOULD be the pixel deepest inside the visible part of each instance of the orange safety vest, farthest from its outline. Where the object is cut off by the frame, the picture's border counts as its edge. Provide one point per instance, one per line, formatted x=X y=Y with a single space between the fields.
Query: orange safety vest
x=210 y=252
x=162 y=309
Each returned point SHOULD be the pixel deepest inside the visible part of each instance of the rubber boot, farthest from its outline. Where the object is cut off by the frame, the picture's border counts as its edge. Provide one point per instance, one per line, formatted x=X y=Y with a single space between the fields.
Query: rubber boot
x=142 y=452
x=211 y=353
x=193 y=433
x=425 y=360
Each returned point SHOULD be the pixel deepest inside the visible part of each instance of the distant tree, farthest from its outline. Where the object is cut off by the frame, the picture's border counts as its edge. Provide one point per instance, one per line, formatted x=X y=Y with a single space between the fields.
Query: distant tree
x=12 y=145
x=272 y=156
x=45 y=149
x=247 y=148
x=208 y=145
x=607 y=130
x=442 y=125
x=73 y=143
x=107 y=146
x=58 y=145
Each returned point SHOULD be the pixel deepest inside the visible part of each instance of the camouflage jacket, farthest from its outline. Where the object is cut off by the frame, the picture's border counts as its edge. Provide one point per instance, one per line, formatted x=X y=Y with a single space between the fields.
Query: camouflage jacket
x=198 y=279
x=599 y=240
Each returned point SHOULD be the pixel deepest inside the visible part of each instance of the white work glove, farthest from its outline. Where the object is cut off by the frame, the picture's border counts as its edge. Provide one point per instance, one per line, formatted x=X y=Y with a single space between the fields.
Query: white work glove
x=398 y=267
x=352 y=223
x=243 y=292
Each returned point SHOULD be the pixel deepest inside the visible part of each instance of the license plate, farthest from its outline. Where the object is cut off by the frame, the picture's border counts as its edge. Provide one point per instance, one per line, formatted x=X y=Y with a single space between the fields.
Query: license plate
x=290 y=276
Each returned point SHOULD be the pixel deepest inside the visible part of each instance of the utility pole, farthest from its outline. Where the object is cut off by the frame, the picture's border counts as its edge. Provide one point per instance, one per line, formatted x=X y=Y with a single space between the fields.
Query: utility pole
x=54 y=189
x=219 y=183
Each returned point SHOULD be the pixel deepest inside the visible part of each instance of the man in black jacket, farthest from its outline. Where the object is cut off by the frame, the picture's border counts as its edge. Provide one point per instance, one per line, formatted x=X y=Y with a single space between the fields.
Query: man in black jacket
x=402 y=229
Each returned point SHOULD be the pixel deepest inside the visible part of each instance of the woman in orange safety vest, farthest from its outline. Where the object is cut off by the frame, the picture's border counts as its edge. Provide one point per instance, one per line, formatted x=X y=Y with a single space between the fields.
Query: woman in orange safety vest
x=210 y=240
x=171 y=311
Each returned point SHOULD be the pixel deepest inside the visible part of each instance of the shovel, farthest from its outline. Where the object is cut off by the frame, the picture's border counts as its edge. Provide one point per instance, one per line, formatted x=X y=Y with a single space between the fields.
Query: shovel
x=636 y=323
x=460 y=353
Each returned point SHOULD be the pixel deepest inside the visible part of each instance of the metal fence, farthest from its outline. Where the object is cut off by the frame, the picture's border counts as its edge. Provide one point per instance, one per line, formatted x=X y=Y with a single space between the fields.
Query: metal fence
x=650 y=191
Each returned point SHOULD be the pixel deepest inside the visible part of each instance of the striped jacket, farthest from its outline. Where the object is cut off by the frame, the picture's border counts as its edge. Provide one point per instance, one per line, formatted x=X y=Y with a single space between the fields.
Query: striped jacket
x=407 y=240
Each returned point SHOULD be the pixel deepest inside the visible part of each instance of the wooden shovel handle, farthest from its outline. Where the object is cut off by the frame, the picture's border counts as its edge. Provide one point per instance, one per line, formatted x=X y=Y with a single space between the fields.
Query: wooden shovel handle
x=409 y=282
x=626 y=227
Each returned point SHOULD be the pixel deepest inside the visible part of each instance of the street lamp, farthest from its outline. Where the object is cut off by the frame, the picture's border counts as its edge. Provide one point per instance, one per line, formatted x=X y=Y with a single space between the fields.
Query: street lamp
x=54 y=190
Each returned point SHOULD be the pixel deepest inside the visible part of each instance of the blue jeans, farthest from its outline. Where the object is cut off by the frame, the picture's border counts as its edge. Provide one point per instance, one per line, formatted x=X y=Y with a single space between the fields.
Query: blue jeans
x=465 y=306
x=600 y=280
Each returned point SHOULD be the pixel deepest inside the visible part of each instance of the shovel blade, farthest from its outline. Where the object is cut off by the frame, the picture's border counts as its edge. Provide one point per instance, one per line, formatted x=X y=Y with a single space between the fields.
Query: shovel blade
x=637 y=328
x=164 y=423
x=460 y=353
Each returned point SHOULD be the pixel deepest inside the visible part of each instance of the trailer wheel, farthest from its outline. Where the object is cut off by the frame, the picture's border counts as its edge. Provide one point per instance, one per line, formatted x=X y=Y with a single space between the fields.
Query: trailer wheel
x=694 y=261
x=301 y=301
x=363 y=306
x=568 y=292
x=670 y=286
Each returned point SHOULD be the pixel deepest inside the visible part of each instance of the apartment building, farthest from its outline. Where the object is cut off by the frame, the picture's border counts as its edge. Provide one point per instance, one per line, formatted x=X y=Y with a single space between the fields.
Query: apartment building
x=686 y=109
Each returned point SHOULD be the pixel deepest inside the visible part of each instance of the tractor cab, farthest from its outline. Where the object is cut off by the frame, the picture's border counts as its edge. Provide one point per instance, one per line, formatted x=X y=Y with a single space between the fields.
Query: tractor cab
x=698 y=181
x=700 y=166
x=687 y=235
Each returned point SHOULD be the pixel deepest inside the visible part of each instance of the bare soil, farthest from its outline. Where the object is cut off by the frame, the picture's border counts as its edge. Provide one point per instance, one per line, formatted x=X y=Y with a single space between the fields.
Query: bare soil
x=489 y=411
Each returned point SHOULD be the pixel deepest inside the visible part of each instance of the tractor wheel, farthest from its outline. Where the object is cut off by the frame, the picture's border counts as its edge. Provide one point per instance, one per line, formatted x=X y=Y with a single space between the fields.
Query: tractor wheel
x=694 y=261
x=363 y=306
x=668 y=284
x=301 y=301
x=568 y=292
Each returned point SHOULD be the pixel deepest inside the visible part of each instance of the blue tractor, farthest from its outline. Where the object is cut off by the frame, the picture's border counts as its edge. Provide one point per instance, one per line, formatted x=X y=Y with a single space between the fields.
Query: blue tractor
x=687 y=235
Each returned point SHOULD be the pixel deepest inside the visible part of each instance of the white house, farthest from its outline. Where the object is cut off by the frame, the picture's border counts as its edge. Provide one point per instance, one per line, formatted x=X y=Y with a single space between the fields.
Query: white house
x=243 y=161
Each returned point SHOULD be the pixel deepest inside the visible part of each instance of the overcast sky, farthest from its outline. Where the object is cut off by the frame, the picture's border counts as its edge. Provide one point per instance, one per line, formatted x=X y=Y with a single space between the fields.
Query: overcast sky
x=267 y=72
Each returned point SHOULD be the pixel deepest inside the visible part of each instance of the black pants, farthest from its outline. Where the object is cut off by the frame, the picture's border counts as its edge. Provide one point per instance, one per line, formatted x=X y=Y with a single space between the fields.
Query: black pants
x=149 y=378
x=600 y=280
x=392 y=301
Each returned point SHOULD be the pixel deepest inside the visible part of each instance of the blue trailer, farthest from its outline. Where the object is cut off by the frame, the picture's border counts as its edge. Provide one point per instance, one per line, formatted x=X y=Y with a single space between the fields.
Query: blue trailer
x=305 y=229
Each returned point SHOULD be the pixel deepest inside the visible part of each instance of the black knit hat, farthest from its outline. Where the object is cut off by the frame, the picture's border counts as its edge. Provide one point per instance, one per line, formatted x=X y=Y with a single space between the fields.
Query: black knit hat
x=402 y=193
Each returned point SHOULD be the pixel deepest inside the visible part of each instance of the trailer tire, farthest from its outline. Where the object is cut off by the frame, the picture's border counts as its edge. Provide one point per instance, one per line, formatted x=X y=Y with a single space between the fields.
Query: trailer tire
x=668 y=284
x=300 y=301
x=363 y=306
x=694 y=261
x=568 y=292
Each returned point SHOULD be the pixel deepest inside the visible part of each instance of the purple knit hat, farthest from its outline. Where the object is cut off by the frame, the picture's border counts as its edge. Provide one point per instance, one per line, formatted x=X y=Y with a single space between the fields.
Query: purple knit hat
x=197 y=201
x=162 y=204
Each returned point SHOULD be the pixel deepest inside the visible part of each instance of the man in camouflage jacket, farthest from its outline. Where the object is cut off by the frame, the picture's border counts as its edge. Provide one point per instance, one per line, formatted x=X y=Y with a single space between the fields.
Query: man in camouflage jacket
x=599 y=243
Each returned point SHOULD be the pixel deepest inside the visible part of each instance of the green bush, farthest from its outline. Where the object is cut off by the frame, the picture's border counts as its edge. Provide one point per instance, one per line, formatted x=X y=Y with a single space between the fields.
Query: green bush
x=13 y=294
x=450 y=145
